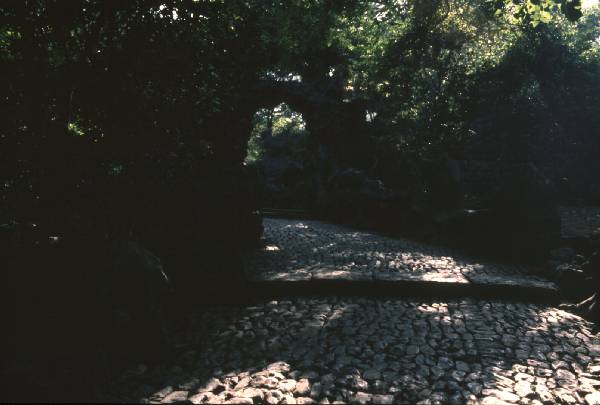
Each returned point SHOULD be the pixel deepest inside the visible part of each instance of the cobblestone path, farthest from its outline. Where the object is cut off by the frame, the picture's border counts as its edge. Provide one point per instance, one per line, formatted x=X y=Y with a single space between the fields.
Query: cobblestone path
x=304 y=250
x=359 y=350
x=340 y=349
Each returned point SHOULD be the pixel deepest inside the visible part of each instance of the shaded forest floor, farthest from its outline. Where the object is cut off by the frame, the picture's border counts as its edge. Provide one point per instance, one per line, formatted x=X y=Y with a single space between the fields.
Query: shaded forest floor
x=580 y=221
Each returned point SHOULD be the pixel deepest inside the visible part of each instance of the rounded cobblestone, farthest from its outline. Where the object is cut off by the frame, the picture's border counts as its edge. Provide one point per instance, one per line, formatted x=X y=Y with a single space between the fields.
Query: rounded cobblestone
x=369 y=350
x=303 y=250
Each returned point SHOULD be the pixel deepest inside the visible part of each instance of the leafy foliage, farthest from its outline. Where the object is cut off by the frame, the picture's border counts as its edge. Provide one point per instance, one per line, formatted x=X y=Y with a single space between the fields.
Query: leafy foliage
x=269 y=122
x=119 y=98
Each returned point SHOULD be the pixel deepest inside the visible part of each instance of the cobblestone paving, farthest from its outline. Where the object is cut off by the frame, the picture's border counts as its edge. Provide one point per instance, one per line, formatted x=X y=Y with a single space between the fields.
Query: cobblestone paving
x=303 y=250
x=359 y=350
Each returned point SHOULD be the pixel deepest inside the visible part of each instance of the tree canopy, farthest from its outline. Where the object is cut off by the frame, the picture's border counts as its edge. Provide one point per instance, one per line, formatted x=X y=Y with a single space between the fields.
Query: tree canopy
x=145 y=92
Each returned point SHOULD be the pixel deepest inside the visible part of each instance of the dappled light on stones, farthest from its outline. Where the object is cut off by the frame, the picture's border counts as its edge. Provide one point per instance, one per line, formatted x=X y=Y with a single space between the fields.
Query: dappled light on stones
x=312 y=250
x=369 y=350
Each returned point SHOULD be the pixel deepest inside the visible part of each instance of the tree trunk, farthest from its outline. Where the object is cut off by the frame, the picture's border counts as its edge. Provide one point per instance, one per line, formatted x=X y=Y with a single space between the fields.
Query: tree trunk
x=588 y=308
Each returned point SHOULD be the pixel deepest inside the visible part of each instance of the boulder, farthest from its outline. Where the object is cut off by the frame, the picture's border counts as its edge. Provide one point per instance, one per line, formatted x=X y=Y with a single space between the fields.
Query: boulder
x=90 y=309
x=132 y=287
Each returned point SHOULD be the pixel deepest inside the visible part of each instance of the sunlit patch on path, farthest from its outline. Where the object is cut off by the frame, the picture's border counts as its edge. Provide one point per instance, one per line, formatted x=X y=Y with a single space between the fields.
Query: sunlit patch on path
x=306 y=250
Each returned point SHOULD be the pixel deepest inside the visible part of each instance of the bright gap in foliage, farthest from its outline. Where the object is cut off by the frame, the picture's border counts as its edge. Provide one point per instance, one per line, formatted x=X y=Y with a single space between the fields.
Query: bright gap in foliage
x=269 y=122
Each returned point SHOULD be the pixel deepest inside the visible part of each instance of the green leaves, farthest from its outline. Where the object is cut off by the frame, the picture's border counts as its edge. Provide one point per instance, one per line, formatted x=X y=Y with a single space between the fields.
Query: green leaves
x=75 y=129
x=535 y=12
x=571 y=9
